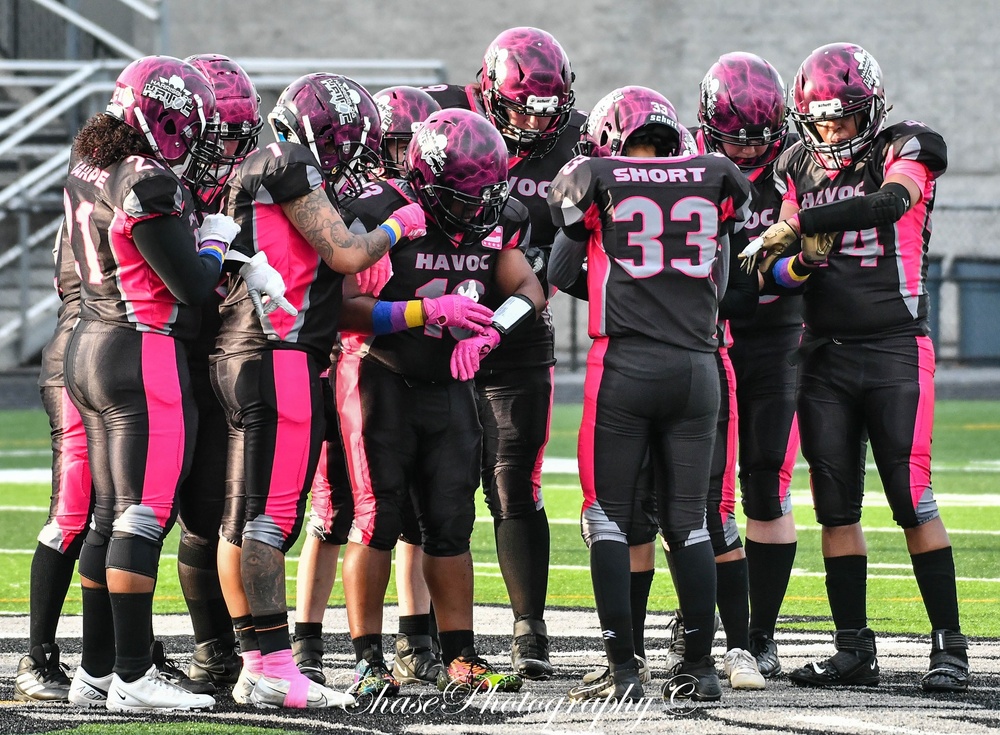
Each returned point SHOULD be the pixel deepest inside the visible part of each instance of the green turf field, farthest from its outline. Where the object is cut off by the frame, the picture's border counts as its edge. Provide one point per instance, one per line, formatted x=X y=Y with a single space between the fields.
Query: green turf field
x=966 y=465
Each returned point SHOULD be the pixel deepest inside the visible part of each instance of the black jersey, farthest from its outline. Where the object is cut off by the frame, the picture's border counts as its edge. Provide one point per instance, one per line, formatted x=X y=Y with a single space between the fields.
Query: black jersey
x=874 y=283
x=67 y=283
x=657 y=232
x=530 y=178
x=117 y=284
x=269 y=176
x=428 y=267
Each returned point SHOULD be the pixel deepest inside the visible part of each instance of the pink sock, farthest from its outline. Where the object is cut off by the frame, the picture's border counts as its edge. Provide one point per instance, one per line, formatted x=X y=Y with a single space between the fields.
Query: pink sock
x=281 y=665
x=253 y=662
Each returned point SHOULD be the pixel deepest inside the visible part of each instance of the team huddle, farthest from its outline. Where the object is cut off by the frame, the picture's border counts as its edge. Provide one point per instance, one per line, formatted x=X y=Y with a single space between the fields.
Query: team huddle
x=357 y=312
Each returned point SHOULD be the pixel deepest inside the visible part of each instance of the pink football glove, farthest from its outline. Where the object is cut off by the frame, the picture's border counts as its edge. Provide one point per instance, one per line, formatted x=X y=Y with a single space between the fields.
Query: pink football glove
x=468 y=353
x=373 y=278
x=411 y=221
x=455 y=310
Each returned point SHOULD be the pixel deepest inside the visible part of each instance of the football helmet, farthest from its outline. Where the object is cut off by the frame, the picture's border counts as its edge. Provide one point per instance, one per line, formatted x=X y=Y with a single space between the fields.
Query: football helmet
x=338 y=121
x=526 y=74
x=172 y=105
x=457 y=166
x=838 y=80
x=743 y=103
x=629 y=114
x=402 y=109
x=240 y=123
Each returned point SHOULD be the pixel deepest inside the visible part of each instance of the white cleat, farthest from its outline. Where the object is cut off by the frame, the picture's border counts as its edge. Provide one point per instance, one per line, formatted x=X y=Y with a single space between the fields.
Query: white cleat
x=270 y=693
x=244 y=685
x=152 y=692
x=740 y=667
x=89 y=691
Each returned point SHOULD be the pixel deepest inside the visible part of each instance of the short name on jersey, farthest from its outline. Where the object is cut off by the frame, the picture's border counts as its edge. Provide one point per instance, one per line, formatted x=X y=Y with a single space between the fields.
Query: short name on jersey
x=659 y=175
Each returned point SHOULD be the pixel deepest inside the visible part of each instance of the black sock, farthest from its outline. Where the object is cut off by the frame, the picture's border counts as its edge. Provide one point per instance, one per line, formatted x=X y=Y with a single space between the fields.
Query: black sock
x=523 y=550
x=368 y=647
x=769 y=567
x=51 y=574
x=693 y=568
x=733 y=600
x=414 y=625
x=308 y=630
x=609 y=564
x=455 y=643
x=245 y=633
x=98 y=632
x=198 y=574
x=935 y=573
x=272 y=632
x=133 y=616
x=639 y=585
x=847 y=590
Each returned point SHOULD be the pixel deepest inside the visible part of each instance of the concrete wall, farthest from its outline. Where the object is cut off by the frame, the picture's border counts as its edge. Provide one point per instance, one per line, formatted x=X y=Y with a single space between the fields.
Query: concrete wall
x=939 y=63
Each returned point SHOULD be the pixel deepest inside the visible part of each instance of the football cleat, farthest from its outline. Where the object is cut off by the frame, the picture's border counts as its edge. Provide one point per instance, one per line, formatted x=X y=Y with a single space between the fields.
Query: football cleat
x=529 y=653
x=624 y=683
x=473 y=673
x=765 y=650
x=416 y=661
x=854 y=663
x=308 y=654
x=153 y=692
x=216 y=661
x=40 y=676
x=243 y=688
x=694 y=680
x=172 y=673
x=740 y=667
x=271 y=693
x=89 y=691
x=373 y=677
x=949 y=667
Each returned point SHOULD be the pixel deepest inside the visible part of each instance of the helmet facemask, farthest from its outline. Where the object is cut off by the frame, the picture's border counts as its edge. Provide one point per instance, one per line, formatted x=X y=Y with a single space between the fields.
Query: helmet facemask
x=869 y=115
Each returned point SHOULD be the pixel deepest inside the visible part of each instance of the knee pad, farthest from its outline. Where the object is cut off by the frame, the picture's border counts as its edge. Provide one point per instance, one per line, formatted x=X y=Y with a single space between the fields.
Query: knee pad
x=511 y=494
x=725 y=535
x=93 y=558
x=761 y=504
x=197 y=551
x=136 y=554
x=445 y=546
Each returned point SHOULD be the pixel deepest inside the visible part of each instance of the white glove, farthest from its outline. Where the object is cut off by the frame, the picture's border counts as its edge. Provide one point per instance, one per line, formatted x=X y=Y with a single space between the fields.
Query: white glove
x=218 y=227
x=263 y=280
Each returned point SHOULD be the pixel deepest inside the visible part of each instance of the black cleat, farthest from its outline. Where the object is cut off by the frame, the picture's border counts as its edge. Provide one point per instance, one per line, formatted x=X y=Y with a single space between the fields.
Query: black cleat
x=215 y=661
x=765 y=650
x=622 y=683
x=854 y=663
x=694 y=680
x=949 y=667
x=529 y=654
x=169 y=671
x=307 y=651
x=40 y=676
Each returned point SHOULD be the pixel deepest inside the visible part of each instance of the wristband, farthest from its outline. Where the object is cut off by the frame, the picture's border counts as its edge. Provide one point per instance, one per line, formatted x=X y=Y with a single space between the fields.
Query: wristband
x=393 y=229
x=396 y=316
x=792 y=272
x=213 y=248
x=512 y=313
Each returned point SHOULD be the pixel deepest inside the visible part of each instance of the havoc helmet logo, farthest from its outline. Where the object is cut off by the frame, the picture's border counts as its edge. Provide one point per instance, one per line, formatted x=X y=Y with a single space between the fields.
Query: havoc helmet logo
x=343 y=99
x=710 y=94
x=867 y=69
x=384 y=110
x=432 y=149
x=496 y=63
x=171 y=93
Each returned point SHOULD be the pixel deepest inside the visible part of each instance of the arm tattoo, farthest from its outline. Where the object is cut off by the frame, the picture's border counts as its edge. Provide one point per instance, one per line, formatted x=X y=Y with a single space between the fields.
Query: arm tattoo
x=317 y=220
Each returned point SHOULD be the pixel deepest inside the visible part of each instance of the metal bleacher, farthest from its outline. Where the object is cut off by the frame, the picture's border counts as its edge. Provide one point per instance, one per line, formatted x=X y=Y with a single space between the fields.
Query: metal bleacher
x=57 y=68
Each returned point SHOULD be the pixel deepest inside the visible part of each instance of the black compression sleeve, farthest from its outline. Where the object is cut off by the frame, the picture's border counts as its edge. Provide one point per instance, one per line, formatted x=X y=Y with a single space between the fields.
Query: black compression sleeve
x=168 y=245
x=883 y=207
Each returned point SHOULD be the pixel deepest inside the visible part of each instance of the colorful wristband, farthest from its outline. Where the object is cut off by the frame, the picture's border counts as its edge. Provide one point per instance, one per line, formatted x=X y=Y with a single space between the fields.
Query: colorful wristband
x=791 y=272
x=396 y=316
x=393 y=229
x=213 y=248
